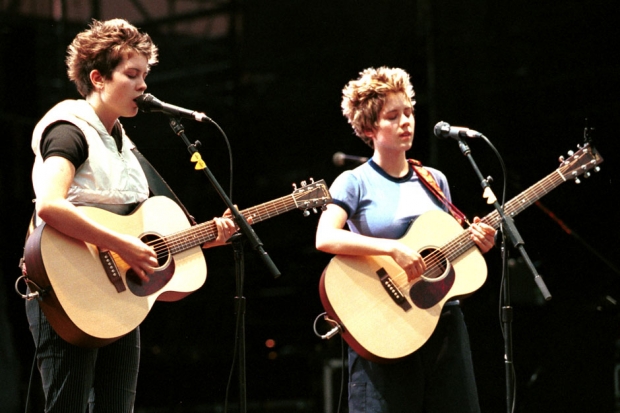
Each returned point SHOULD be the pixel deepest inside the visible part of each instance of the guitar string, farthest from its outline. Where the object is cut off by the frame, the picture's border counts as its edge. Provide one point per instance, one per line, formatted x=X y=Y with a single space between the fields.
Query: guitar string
x=435 y=259
x=514 y=207
x=181 y=239
x=208 y=230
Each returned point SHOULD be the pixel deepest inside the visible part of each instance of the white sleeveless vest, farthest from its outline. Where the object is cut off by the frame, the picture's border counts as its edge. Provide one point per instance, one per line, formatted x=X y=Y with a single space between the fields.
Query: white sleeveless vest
x=107 y=176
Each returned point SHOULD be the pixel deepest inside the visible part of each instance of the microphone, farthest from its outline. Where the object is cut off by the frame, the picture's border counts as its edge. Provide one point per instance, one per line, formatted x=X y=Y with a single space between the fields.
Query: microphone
x=148 y=103
x=339 y=158
x=444 y=130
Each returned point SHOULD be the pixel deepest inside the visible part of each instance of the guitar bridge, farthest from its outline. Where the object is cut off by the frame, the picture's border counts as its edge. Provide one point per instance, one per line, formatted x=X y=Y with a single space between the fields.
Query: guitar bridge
x=111 y=271
x=392 y=290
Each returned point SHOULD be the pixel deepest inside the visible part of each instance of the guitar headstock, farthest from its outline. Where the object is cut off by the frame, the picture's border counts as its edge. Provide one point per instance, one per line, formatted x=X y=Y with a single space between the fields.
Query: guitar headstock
x=311 y=195
x=580 y=163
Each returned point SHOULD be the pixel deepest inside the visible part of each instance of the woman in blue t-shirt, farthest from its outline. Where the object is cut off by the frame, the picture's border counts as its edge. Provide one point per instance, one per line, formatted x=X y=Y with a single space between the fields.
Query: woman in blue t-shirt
x=378 y=201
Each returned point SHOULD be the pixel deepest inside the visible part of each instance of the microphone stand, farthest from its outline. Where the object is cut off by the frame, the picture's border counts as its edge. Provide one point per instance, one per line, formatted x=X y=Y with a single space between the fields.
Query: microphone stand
x=236 y=241
x=507 y=229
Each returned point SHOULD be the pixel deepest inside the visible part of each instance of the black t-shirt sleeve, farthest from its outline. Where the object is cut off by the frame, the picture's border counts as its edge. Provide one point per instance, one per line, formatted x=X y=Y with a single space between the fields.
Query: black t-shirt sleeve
x=66 y=140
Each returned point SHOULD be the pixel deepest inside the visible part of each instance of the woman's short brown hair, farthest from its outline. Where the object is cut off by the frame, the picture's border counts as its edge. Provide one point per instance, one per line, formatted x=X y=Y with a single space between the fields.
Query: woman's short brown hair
x=363 y=98
x=102 y=47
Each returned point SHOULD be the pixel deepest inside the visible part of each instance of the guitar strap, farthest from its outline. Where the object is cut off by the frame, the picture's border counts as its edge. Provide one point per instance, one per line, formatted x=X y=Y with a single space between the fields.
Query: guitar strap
x=427 y=178
x=157 y=184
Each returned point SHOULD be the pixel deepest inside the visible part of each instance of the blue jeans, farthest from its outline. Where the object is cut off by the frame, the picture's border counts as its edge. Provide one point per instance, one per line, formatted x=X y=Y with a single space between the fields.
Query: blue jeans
x=437 y=378
x=77 y=379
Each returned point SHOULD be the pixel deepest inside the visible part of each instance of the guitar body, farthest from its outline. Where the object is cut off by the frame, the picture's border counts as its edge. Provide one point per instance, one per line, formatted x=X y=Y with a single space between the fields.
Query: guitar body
x=375 y=325
x=83 y=306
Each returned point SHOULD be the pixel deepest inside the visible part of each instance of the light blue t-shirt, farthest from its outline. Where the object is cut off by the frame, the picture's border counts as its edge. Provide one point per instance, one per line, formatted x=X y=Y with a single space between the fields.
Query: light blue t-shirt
x=379 y=205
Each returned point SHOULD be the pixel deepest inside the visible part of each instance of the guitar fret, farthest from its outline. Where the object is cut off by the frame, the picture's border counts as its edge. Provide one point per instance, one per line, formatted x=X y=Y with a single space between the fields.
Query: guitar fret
x=561 y=176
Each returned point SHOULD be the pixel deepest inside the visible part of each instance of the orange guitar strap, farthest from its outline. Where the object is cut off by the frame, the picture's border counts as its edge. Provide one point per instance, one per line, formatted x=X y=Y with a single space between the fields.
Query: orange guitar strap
x=427 y=178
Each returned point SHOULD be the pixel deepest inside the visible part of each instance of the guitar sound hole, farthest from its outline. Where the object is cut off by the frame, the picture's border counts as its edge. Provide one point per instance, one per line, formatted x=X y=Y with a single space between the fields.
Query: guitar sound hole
x=162 y=275
x=436 y=282
x=160 y=247
x=437 y=266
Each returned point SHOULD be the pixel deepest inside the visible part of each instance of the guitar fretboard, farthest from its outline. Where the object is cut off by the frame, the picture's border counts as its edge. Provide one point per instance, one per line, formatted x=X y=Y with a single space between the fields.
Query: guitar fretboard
x=526 y=198
x=584 y=160
x=307 y=197
x=207 y=231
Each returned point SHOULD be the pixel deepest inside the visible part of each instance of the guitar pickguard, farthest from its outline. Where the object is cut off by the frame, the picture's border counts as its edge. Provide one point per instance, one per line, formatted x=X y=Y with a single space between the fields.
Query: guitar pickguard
x=426 y=294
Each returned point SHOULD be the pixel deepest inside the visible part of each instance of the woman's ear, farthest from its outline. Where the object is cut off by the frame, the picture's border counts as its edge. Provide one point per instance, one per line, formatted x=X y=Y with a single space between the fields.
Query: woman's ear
x=369 y=133
x=97 y=79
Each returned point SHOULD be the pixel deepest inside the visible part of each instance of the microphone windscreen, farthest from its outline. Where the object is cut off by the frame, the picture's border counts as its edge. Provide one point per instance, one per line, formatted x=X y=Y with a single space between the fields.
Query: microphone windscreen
x=338 y=158
x=145 y=102
x=442 y=129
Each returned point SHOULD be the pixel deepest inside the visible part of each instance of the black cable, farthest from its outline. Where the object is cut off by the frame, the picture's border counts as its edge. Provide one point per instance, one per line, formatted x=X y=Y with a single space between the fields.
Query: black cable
x=343 y=372
x=34 y=360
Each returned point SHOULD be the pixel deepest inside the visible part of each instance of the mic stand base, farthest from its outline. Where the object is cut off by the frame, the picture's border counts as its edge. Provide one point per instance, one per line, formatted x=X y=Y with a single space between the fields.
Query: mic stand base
x=507 y=317
x=240 y=305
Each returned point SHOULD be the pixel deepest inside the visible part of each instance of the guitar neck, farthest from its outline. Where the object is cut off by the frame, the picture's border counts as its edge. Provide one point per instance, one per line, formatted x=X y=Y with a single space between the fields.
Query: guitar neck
x=207 y=231
x=463 y=242
x=524 y=200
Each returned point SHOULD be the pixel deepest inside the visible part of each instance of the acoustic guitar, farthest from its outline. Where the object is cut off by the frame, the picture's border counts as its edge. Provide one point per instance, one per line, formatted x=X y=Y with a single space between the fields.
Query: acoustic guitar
x=381 y=314
x=92 y=297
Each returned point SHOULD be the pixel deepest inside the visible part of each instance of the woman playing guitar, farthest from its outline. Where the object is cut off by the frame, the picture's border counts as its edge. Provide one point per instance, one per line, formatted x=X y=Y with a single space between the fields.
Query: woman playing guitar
x=378 y=201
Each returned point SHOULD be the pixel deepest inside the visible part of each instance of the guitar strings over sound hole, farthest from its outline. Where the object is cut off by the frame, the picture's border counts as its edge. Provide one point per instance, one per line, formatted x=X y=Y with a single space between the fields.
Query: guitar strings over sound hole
x=437 y=266
x=160 y=247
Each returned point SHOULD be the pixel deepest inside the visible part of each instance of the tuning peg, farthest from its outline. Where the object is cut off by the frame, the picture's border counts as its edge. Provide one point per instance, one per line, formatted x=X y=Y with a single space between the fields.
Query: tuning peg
x=311 y=180
x=597 y=169
x=577 y=181
x=561 y=159
x=294 y=186
x=570 y=153
x=306 y=213
x=303 y=183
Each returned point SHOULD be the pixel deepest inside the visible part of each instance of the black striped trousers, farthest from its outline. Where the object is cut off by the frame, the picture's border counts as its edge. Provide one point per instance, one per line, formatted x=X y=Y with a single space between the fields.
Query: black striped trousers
x=77 y=379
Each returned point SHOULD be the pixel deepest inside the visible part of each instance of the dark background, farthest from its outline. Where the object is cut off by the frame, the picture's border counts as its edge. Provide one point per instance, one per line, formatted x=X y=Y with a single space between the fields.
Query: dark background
x=530 y=75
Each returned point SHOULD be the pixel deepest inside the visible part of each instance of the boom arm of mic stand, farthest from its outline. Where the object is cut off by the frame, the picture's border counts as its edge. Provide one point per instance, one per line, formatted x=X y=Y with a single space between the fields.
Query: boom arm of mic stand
x=240 y=220
x=508 y=228
x=508 y=224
